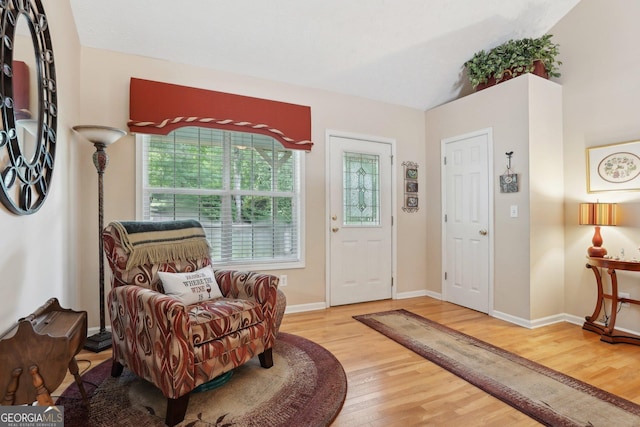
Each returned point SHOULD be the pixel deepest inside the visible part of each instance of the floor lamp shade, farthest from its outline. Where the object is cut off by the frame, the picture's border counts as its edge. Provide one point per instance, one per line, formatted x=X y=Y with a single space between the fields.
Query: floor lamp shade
x=100 y=137
x=100 y=134
x=597 y=214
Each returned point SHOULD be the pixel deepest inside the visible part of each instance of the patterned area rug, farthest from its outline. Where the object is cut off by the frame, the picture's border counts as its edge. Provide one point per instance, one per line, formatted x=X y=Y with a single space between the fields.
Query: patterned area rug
x=545 y=395
x=305 y=387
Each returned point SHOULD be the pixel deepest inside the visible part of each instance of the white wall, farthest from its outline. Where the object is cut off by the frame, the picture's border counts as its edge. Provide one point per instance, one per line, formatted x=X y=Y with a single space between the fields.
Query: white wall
x=105 y=100
x=37 y=251
x=599 y=48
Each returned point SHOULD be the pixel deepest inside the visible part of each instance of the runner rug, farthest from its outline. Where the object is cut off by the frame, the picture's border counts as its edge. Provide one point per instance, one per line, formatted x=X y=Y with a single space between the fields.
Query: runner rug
x=305 y=387
x=548 y=396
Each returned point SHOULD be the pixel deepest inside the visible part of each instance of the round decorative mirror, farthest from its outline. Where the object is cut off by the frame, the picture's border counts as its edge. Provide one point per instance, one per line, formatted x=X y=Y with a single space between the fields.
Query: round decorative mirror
x=29 y=106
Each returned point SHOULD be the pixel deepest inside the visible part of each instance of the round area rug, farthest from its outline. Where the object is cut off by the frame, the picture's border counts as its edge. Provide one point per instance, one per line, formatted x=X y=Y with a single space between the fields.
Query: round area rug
x=305 y=387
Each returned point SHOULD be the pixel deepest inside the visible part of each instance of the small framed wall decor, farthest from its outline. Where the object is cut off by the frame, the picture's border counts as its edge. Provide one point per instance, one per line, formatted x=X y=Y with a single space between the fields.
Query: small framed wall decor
x=410 y=187
x=411 y=202
x=509 y=183
x=412 y=171
x=614 y=167
x=509 y=180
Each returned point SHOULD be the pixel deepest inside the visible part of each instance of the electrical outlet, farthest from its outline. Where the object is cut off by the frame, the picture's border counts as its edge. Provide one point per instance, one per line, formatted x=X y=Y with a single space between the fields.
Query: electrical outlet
x=283 y=280
x=624 y=295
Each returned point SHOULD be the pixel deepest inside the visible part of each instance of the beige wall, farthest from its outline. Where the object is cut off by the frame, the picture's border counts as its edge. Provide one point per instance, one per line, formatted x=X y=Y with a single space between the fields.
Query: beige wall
x=598 y=45
x=37 y=251
x=105 y=100
x=546 y=197
x=507 y=116
x=524 y=115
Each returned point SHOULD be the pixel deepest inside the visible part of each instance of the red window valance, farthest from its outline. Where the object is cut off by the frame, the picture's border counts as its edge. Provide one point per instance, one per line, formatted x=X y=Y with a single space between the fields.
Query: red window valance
x=159 y=108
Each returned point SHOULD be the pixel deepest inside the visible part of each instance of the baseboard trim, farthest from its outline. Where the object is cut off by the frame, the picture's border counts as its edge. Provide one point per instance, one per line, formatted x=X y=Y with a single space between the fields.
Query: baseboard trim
x=415 y=294
x=300 y=308
x=576 y=320
x=530 y=324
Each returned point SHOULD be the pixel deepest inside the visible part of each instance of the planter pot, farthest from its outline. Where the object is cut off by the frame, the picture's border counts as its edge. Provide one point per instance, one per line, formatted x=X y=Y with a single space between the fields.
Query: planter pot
x=538 y=70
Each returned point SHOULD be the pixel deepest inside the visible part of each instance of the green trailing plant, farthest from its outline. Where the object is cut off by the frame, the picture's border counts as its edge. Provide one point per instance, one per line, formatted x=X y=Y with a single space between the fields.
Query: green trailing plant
x=513 y=58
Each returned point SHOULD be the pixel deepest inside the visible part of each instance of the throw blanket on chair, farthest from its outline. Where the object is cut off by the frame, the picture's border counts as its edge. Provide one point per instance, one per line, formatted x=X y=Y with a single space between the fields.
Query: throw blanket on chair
x=149 y=242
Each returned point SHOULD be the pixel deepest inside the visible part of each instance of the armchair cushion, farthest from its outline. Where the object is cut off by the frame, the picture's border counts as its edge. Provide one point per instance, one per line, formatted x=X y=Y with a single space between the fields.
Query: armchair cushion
x=191 y=287
x=214 y=319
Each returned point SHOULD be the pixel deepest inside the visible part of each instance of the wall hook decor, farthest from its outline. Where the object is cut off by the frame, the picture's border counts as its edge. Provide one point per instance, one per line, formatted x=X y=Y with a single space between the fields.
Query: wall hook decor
x=509 y=154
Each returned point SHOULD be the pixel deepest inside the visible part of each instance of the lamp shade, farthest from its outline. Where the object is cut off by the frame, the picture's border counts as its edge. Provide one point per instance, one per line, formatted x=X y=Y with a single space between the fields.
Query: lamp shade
x=100 y=134
x=598 y=214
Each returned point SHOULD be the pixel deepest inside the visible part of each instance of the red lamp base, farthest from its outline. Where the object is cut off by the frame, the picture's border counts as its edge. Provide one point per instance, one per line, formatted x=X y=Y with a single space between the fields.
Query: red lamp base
x=596 y=252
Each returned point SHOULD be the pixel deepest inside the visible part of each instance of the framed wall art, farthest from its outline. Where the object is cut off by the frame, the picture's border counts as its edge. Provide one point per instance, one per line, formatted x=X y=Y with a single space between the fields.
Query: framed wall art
x=410 y=187
x=509 y=182
x=614 y=167
x=411 y=202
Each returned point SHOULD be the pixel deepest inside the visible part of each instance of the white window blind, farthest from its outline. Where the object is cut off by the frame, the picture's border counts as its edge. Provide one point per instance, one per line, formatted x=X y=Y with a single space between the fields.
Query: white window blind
x=244 y=189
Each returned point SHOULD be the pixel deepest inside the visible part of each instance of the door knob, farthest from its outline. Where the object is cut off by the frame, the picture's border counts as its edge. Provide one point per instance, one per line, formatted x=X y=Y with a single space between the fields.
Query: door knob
x=335 y=229
x=483 y=232
x=334 y=217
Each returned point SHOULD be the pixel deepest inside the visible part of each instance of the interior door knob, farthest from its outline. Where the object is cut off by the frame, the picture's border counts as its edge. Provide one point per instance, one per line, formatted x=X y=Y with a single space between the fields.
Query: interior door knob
x=335 y=229
x=483 y=232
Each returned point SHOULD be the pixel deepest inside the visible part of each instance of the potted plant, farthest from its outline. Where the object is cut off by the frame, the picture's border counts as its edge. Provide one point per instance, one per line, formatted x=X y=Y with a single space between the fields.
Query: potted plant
x=513 y=58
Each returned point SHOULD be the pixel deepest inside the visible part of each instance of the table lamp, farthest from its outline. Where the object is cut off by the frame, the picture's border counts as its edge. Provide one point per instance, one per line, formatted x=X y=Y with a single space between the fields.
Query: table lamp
x=597 y=214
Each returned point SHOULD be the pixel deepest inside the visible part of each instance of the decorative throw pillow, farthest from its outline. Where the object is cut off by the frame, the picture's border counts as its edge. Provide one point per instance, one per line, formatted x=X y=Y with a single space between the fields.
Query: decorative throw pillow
x=191 y=287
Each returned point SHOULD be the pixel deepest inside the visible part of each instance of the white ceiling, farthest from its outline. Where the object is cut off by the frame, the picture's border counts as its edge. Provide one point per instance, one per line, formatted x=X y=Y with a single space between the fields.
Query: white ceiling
x=406 y=52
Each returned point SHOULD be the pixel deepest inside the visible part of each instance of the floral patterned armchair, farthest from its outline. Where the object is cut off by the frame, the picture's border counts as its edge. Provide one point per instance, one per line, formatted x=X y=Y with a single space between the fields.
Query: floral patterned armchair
x=178 y=347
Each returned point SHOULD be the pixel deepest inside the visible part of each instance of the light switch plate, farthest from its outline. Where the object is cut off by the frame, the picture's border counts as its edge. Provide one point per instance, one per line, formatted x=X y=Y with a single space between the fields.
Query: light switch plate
x=514 y=211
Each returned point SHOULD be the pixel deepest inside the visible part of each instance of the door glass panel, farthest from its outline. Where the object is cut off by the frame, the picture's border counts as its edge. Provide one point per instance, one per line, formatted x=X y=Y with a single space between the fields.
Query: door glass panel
x=361 y=190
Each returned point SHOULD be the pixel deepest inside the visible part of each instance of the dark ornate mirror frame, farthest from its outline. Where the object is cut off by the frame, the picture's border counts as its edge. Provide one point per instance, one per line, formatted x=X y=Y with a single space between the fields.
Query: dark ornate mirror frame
x=25 y=182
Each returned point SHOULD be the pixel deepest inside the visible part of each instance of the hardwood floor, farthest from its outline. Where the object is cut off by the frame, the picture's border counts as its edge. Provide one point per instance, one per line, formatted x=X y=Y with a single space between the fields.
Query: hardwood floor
x=389 y=385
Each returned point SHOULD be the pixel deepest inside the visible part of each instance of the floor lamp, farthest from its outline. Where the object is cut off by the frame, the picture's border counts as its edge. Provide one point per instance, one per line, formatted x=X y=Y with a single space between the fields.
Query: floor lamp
x=100 y=137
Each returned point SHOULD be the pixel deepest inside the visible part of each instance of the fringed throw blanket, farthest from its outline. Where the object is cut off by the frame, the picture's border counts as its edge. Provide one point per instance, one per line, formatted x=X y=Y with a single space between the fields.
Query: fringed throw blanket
x=149 y=242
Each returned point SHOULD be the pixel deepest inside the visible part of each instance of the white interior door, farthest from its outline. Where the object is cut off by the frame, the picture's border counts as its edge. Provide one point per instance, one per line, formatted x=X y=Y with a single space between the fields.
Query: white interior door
x=466 y=230
x=360 y=190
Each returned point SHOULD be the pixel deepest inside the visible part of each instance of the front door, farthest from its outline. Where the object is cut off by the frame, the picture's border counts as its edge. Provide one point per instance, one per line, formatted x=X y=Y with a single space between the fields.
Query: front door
x=360 y=190
x=466 y=214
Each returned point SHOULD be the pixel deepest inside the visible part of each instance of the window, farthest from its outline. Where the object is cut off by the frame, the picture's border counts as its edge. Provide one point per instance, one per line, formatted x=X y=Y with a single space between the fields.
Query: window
x=244 y=189
x=361 y=194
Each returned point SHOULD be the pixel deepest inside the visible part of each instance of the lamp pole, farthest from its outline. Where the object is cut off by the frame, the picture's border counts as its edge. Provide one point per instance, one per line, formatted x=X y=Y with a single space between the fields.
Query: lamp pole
x=100 y=137
x=101 y=340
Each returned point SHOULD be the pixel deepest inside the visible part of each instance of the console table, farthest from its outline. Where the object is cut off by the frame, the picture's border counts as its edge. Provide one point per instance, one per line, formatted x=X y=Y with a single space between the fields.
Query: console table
x=608 y=332
x=36 y=352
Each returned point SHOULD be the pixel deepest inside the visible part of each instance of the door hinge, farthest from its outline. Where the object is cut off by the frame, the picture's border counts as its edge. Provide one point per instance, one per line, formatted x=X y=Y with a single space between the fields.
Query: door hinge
x=445 y=217
x=445 y=160
x=445 y=275
x=391 y=159
x=392 y=220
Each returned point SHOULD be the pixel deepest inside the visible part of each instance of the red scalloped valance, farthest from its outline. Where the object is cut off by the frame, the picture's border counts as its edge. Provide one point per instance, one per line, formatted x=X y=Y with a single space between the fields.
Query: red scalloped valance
x=158 y=108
